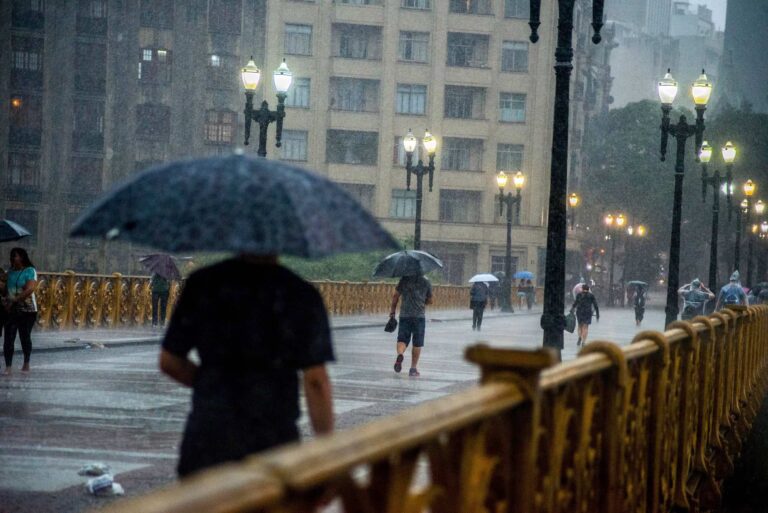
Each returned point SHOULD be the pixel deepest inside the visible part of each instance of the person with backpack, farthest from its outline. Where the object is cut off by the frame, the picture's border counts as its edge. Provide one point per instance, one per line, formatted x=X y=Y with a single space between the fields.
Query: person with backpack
x=732 y=293
x=695 y=295
x=584 y=305
x=638 y=300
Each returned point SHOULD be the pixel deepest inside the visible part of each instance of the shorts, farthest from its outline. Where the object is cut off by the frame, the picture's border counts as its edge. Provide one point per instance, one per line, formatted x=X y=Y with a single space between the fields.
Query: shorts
x=412 y=328
x=584 y=319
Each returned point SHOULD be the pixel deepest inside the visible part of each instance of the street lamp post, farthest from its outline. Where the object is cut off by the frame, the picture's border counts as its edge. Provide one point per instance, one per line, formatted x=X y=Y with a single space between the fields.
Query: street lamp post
x=701 y=91
x=741 y=211
x=509 y=200
x=573 y=202
x=263 y=116
x=759 y=209
x=761 y=258
x=613 y=222
x=553 y=318
x=629 y=257
x=716 y=181
x=409 y=144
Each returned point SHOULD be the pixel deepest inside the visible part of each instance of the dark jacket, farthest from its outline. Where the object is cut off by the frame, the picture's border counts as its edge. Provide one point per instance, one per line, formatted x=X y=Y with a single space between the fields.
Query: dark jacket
x=585 y=303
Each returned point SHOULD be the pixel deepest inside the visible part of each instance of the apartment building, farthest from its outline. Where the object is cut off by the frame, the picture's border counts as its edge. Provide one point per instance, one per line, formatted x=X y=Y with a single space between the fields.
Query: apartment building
x=98 y=89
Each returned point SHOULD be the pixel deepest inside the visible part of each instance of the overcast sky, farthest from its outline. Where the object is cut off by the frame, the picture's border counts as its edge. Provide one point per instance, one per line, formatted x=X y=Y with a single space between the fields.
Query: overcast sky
x=718 y=11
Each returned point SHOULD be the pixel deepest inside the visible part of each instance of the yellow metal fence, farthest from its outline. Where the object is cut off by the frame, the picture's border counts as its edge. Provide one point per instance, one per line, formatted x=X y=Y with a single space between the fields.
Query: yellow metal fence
x=70 y=301
x=654 y=426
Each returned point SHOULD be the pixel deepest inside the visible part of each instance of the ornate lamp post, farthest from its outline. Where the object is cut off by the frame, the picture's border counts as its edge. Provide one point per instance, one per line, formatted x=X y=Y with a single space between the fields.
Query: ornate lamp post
x=409 y=144
x=716 y=181
x=701 y=90
x=615 y=223
x=510 y=200
x=759 y=210
x=251 y=76
x=741 y=211
x=573 y=202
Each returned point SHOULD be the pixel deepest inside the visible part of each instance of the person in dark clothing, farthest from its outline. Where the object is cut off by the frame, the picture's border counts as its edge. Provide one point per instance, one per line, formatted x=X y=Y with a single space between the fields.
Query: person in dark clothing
x=638 y=301
x=255 y=326
x=478 y=299
x=416 y=292
x=161 y=289
x=585 y=305
x=21 y=307
x=3 y=299
x=530 y=293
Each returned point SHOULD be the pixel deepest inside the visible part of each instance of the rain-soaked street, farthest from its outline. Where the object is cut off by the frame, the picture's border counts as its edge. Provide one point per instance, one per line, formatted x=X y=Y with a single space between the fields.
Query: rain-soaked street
x=113 y=406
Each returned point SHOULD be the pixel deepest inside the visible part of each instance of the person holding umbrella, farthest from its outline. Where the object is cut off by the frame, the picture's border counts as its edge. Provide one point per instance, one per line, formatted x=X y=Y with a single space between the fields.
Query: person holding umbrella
x=478 y=300
x=585 y=306
x=638 y=301
x=21 y=307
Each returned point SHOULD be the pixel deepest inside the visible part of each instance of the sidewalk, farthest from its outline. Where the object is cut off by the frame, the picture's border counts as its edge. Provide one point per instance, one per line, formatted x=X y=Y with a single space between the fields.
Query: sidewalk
x=63 y=340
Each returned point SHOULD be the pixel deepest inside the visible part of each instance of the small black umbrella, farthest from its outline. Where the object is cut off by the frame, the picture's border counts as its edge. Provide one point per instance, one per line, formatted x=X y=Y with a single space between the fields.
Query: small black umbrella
x=407 y=263
x=162 y=264
x=235 y=203
x=12 y=231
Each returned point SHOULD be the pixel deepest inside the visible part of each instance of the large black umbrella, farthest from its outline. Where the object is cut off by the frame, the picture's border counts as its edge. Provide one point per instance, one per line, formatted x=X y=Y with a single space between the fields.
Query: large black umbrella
x=406 y=263
x=235 y=203
x=12 y=231
x=162 y=264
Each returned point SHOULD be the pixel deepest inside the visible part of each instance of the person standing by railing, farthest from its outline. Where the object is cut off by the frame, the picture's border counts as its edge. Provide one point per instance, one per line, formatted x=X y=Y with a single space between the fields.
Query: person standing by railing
x=21 y=307
x=695 y=296
x=732 y=293
x=161 y=289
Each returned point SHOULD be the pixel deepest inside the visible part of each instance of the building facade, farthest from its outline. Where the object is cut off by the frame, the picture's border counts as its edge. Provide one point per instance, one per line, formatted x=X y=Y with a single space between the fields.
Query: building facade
x=99 y=89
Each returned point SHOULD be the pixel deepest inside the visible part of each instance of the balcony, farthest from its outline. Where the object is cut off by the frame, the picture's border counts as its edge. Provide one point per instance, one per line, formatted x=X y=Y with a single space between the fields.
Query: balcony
x=24 y=136
x=91 y=26
x=27 y=19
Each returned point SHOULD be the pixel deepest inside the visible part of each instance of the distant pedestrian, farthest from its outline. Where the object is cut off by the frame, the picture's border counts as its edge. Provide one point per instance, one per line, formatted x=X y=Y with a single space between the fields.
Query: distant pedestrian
x=21 y=307
x=732 y=293
x=521 y=293
x=638 y=300
x=161 y=289
x=255 y=325
x=493 y=294
x=695 y=296
x=585 y=306
x=478 y=299
x=530 y=294
x=416 y=292
x=3 y=299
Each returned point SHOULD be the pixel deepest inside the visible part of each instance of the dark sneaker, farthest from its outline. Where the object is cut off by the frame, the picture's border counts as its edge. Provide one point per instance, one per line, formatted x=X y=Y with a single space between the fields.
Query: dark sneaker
x=413 y=373
x=578 y=342
x=399 y=363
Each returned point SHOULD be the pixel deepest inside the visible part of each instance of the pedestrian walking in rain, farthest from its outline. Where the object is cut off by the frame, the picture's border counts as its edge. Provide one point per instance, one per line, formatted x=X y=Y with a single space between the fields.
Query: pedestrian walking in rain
x=3 y=299
x=416 y=292
x=585 y=306
x=732 y=293
x=493 y=294
x=521 y=293
x=638 y=300
x=695 y=295
x=530 y=293
x=161 y=289
x=255 y=325
x=478 y=299
x=21 y=307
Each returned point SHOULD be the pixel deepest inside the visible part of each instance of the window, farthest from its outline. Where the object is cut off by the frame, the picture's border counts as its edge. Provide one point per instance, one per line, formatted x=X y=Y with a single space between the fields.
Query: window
x=86 y=175
x=358 y=2
x=92 y=16
x=363 y=193
x=512 y=107
x=23 y=169
x=471 y=6
x=220 y=126
x=356 y=41
x=26 y=218
x=215 y=61
x=453 y=268
x=88 y=126
x=467 y=50
x=416 y=4
x=460 y=206
x=403 y=204
x=514 y=56
x=509 y=157
x=225 y=16
x=399 y=156
x=464 y=102
x=497 y=262
x=90 y=67
x=352 y=147
x=153 y=122
x=156 y=14
x=414 y=47
x=411 y=99
x=222 y=72
x=517 y=9
x=28 y=14
x=298 y=39
x=26 y=120
x=26 y=63
x=354 y=94
x=155 y=65
x=298 y=94
x=294 y=145
x=460 y=154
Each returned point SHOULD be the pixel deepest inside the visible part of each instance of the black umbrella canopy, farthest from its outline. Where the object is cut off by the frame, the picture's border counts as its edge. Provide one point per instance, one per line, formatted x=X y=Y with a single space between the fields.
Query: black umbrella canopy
x=162 y=264
x=10 y=230
x=406 y=263
x=235 y=203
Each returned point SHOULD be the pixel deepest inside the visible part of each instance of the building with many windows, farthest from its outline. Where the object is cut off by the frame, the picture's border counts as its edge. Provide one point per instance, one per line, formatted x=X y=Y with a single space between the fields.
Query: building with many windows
x=99 y=89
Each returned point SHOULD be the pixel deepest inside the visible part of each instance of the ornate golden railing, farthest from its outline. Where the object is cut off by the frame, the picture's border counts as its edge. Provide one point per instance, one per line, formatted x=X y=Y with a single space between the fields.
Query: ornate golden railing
x=69 y=300
x=650 y=427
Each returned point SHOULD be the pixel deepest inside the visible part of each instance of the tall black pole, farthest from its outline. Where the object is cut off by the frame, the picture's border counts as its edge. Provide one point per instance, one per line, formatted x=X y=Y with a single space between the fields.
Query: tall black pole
x=610 y=273
x=419 y=198
x=419 y=171
x=737 y=246
x=713 y=242
x=506 y=305
x=750 y=246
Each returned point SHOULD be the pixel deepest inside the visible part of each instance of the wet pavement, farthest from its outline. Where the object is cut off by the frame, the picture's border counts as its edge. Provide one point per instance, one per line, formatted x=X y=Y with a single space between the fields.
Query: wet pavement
x=112 y=405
